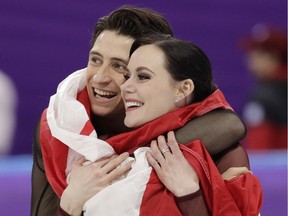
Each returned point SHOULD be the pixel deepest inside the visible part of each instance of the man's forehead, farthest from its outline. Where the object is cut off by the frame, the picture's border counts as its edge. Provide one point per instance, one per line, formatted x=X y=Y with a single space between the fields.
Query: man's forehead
x=114 y=38
x=112 y=45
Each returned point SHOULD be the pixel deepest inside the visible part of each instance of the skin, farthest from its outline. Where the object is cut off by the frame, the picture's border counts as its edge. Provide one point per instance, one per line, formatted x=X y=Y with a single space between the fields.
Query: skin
x=86 y=181
x=107 y=62
x=171 y=167
x=150 y=91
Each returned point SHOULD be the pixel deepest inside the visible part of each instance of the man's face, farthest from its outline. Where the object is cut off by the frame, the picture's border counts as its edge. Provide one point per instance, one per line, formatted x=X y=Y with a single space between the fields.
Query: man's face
x=107 y=63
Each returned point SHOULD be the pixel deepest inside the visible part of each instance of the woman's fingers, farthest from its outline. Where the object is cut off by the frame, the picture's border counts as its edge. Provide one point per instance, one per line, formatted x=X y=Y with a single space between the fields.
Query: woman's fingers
x=156 y=152
x=173 y=144
x=154 y=163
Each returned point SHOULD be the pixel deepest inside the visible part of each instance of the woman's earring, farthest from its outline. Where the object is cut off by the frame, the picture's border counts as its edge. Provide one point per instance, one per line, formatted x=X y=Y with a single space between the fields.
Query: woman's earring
x=177 y=99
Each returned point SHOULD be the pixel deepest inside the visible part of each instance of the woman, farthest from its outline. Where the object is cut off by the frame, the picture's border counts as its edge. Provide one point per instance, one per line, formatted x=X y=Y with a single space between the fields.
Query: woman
x=185 y=90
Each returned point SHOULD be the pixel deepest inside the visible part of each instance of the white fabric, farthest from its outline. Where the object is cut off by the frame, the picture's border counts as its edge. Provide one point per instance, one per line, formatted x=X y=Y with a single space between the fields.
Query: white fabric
x=66 y=118
x=122 y=198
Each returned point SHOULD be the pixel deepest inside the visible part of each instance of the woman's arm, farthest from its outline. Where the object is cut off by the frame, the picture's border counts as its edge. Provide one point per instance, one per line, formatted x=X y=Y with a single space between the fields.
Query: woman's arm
x=178 y=176
x=218 y=130
x=43 y=201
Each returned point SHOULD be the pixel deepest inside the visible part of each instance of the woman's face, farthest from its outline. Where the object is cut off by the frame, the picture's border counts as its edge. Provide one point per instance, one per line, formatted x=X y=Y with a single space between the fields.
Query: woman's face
x=149 y=91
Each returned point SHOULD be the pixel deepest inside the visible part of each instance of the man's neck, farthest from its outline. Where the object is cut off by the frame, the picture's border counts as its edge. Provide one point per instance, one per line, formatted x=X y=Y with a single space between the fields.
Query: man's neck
x=108 y=126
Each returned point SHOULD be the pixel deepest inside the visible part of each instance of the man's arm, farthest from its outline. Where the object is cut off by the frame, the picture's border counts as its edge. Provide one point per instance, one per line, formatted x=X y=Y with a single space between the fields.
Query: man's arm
x=218 y=130
x=43 y=199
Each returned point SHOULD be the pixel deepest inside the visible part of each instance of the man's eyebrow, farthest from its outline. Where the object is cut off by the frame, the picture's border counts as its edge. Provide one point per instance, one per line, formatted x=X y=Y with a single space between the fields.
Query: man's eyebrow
x=121 y=60
x=114 y=59
x=95 y=53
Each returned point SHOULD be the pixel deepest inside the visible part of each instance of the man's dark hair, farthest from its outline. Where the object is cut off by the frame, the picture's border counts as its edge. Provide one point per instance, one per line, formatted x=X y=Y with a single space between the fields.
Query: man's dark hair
x=132 y=21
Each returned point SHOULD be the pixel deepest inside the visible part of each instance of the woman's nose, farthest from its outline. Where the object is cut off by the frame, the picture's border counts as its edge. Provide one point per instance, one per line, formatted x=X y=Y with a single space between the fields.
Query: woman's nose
x=128 y=86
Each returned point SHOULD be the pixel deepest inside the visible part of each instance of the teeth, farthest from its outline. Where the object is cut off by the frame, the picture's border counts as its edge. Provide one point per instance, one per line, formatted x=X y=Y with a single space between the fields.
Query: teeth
x=97 y=91
x=133 y=104
x=104 y=93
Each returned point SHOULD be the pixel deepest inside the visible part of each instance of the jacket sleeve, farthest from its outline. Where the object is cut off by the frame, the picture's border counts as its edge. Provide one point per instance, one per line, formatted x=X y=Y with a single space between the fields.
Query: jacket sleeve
x=227 y=127
x=247 y=193
x=43 y=199
x=245 y=188
x=192 y=204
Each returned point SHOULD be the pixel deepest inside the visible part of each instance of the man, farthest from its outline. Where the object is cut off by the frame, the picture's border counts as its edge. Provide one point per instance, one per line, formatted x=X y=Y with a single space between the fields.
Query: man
x=109 y=55
x=265 y=111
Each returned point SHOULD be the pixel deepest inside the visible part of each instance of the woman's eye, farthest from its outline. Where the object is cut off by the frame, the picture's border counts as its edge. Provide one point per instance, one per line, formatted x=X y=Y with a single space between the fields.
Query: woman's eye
x=143 y=76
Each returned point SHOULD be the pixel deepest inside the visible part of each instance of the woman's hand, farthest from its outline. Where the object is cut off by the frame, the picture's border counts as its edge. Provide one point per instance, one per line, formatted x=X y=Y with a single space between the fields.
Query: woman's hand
x=88 y=180
x=171 y=166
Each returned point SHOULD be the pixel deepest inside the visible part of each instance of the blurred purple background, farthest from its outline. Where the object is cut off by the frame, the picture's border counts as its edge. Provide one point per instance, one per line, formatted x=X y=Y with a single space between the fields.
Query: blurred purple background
x=41 y=42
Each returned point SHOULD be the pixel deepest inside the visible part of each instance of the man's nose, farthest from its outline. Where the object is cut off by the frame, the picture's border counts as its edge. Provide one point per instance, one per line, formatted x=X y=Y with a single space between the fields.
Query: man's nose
x=102 y=75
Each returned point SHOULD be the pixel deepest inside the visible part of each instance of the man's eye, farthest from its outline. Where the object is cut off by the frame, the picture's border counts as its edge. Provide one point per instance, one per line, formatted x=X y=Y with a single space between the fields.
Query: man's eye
x=120 y=68
x=95 y=60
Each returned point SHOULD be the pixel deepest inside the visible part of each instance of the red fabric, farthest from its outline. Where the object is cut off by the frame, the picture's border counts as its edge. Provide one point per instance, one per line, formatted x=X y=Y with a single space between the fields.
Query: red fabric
x=266 y=136
x=247 y=193
x=218 y=198
x=241 y=196
x=55 y=152
x=54 y=155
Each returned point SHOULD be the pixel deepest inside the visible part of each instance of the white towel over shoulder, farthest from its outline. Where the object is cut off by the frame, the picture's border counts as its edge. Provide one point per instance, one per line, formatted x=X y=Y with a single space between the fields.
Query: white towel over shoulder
x=66 y=118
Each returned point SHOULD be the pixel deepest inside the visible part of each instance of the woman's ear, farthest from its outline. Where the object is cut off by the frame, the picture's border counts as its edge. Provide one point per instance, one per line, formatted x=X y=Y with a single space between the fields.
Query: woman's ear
x=187 y=87
x=185 y=90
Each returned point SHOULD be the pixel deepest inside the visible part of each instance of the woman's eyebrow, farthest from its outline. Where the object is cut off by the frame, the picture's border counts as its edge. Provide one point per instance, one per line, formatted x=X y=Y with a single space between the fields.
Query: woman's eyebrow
x=139 y=69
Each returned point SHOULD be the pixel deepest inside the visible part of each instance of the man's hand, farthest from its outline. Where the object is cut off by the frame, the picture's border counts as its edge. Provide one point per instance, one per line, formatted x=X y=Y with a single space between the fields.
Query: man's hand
x=232 y=172
x=87 y=180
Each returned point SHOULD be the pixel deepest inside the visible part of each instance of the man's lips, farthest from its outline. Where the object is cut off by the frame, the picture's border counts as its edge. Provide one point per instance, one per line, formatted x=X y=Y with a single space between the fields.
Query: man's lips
x=103 y=94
